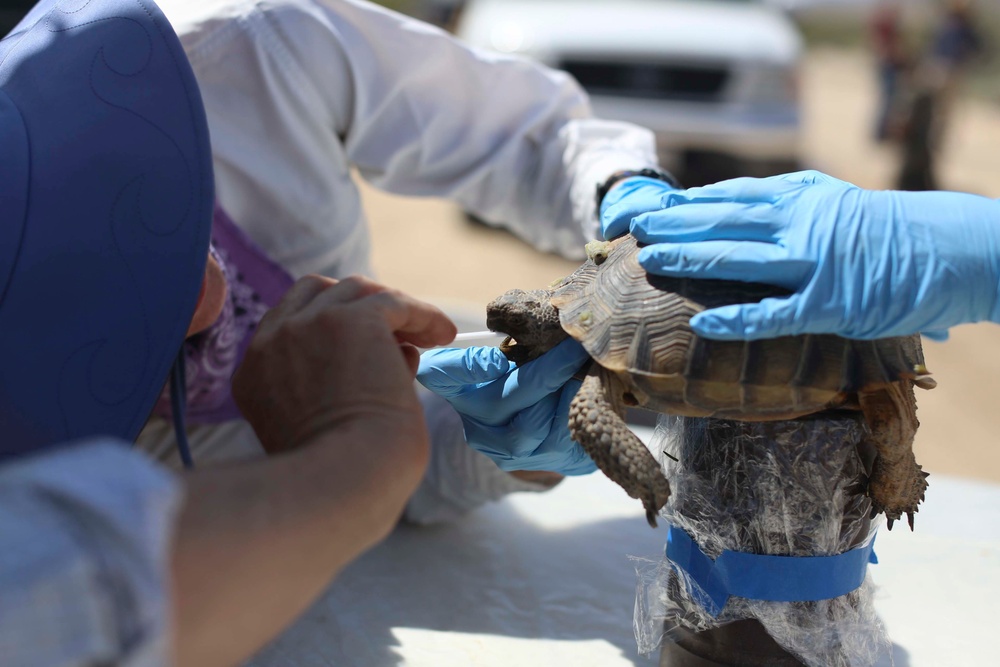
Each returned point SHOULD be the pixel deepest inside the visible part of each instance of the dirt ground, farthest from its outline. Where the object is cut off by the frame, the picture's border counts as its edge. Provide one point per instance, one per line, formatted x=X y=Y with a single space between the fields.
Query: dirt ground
x=960 y=420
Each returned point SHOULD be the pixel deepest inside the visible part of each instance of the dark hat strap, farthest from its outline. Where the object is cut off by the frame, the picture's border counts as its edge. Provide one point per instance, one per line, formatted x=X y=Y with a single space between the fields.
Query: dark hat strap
x=178 y=404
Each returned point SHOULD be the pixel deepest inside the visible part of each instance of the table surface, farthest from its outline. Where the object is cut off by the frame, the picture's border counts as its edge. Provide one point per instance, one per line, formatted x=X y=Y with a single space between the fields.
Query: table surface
x=545 y=579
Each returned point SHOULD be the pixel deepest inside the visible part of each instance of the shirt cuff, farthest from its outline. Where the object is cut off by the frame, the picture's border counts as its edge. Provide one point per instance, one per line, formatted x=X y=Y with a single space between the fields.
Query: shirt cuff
x=458 y=478
x=599 y=149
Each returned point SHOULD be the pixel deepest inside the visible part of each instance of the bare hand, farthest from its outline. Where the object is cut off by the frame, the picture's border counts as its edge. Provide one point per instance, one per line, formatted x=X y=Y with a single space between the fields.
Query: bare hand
x=337 y=355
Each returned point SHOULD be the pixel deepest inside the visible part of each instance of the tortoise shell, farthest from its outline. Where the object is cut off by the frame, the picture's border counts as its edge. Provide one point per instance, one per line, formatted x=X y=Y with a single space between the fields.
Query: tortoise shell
x=637 y=326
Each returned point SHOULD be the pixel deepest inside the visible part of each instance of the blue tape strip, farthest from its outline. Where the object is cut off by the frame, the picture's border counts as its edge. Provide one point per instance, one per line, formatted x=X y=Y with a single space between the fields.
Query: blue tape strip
x=766 y=577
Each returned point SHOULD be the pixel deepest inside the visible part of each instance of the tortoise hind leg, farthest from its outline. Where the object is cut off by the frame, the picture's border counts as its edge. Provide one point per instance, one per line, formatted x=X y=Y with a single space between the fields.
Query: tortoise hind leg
x=595 y=422
x=897 y=483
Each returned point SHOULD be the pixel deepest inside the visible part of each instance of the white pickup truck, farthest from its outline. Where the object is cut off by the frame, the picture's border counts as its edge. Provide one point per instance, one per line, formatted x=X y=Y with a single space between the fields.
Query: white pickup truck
x=716 y=80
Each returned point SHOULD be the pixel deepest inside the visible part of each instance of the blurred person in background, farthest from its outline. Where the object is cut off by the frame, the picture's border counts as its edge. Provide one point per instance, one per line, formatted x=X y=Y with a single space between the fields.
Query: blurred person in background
x=929 y=90
x=917 y=93
x=954 y=45
x=888 y=45
x=915 y=127
x=905 y=110
x=858 y=263
x=955 y=41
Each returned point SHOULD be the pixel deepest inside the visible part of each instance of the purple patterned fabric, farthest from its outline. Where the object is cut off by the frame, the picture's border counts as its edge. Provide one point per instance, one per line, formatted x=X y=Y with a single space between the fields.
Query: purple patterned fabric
x=255 y=284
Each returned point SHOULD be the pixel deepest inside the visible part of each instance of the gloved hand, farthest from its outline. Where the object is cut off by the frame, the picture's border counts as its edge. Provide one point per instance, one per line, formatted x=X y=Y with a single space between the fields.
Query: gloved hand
x=628 y=199
x=517 y=416
x=862 y=264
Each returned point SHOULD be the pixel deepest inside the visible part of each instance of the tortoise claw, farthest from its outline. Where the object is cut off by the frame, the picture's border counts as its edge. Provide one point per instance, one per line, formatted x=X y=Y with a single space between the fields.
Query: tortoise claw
x=651 y=517
x=909 y=520
x=888 y=523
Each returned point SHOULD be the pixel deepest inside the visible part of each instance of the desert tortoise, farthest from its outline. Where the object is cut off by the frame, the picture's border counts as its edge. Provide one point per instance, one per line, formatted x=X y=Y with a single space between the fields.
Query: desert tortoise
x=636 y=328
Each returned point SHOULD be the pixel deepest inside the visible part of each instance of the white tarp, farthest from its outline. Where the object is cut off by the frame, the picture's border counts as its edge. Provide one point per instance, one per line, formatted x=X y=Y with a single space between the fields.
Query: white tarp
x=544 y=579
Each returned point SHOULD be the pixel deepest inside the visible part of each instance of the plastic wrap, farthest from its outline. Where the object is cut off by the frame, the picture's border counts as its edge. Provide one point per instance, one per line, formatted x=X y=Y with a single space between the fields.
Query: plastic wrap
x=791 y=488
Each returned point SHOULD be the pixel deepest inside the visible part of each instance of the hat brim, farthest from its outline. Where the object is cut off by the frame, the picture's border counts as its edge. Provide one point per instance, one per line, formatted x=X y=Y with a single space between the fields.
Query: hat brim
x=106 y=197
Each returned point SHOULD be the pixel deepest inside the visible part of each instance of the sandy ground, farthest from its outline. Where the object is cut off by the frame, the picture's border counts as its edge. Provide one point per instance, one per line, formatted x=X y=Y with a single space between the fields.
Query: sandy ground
x=960 y=420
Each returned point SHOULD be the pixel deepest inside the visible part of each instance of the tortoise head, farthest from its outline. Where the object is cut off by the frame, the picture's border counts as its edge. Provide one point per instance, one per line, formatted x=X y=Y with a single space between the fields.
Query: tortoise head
x=530 y=321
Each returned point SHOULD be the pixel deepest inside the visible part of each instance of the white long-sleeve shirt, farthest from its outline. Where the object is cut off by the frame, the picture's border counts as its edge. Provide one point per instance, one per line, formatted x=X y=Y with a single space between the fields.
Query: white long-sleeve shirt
x=302 y=94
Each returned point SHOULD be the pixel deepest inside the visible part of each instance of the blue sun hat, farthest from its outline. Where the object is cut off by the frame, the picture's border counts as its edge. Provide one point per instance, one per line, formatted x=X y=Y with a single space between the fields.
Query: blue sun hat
x=106 y=196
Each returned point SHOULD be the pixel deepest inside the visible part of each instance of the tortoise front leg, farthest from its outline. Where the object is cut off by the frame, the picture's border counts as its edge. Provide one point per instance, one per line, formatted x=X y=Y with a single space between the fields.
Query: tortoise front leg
x=596 y=423
x=897 y=482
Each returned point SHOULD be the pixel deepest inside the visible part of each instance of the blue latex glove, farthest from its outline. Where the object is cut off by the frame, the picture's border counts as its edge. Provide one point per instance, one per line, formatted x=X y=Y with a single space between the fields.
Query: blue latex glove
x=517 y=416
x=862 y=264
x=628 y=199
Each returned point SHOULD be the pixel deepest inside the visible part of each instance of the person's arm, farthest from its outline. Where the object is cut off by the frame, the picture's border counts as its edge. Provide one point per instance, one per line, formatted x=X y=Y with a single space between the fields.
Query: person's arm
x=327 y=384
x=510 y=140
x=859 y=263
x=109 y=559
x=257 y=542
x=415 y=111
x=99 y=566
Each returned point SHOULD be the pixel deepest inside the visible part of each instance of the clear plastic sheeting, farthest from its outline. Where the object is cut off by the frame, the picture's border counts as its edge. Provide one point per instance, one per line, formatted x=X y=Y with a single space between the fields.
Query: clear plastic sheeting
x=789 y=488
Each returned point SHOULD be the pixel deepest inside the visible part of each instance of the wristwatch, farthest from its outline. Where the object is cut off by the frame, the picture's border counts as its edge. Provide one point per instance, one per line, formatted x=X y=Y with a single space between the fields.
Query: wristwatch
x=602 y=188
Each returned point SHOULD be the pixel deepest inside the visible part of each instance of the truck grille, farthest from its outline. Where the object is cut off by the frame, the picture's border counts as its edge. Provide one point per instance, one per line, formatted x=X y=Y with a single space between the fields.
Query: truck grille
x=649 y=80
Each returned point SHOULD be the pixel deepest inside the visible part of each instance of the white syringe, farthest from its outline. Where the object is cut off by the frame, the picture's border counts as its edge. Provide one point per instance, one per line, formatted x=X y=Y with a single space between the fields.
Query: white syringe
x=478 y=335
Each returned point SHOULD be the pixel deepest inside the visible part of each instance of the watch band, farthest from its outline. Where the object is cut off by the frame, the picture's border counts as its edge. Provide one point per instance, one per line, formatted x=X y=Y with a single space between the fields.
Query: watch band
x=658 y=174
